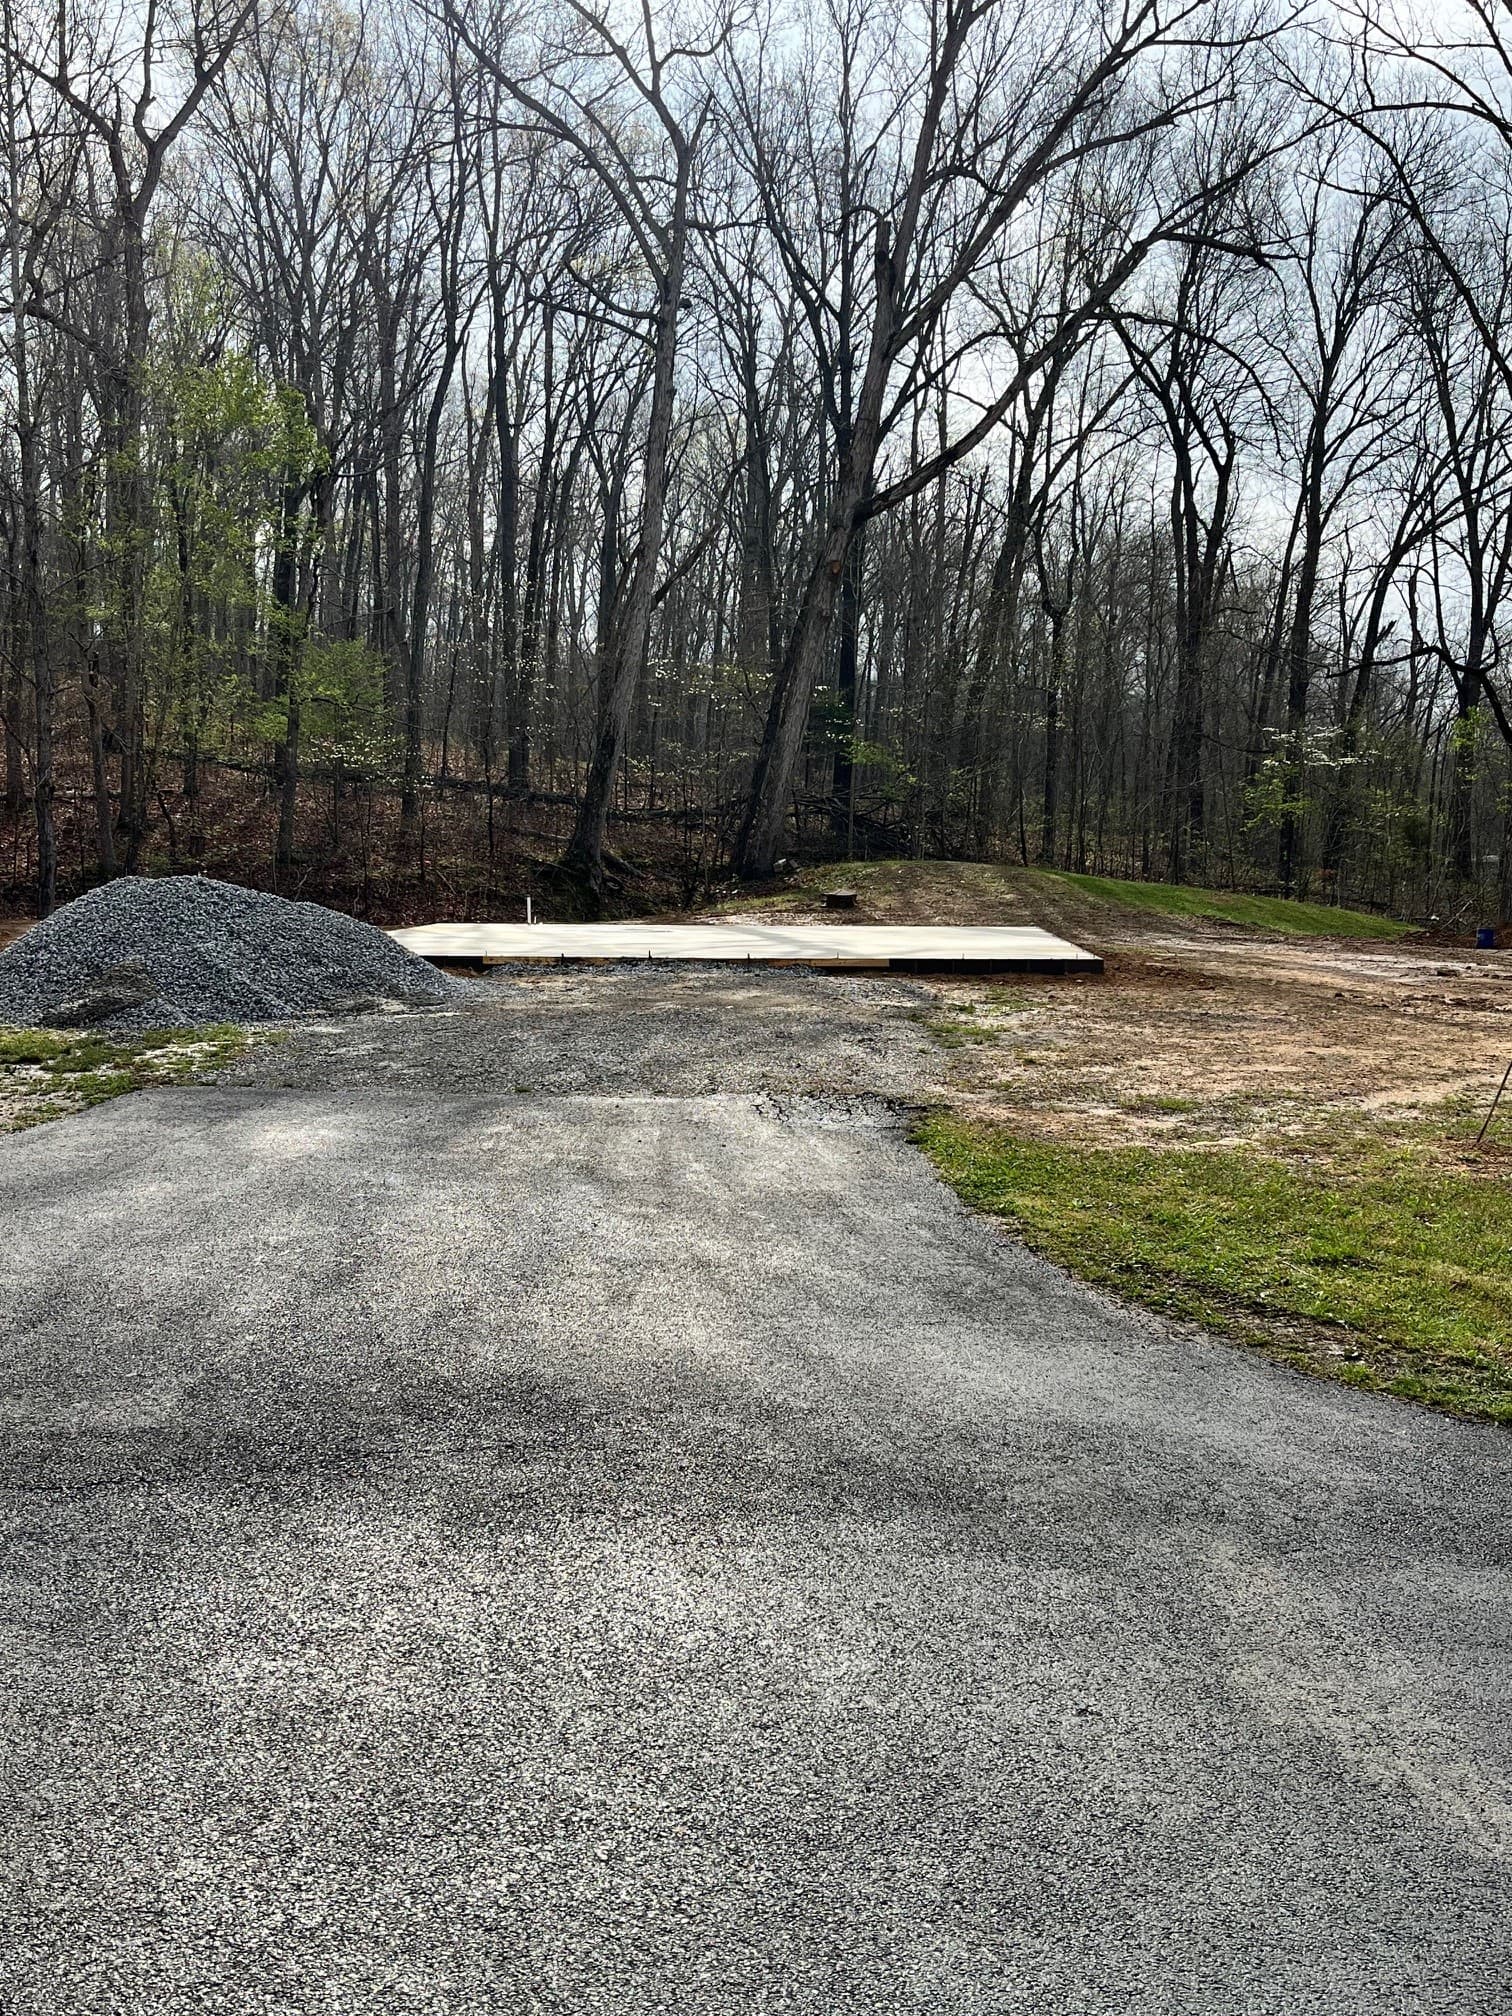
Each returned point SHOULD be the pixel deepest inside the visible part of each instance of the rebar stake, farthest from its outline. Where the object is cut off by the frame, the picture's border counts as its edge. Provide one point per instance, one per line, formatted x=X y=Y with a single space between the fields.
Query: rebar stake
x=1494 y=1104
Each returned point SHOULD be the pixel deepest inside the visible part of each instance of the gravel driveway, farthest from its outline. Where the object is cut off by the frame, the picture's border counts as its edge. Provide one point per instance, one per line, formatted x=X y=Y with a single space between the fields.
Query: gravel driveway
x=638 y=1545
x=631 y=1028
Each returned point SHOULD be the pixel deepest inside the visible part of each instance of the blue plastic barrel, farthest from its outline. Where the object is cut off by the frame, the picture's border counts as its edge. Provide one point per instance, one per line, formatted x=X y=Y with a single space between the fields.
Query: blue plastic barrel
x=1485 y=938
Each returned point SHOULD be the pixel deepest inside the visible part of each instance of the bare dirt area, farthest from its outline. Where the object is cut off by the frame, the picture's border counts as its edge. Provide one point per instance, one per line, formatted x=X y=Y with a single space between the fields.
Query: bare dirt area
x=1197 y=1031
x=1227 y=1039
x=1274 y=1136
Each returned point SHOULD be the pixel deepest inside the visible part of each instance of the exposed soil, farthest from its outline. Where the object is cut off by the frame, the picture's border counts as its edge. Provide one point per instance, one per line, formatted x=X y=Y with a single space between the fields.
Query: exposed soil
x=1186 y=1040
x=1198 y=1032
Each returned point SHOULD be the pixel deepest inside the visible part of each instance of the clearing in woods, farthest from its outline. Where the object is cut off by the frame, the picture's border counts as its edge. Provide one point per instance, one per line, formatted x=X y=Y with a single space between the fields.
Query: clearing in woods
x=551 y=1483
x=1268 y=1131
x=1243 y=1121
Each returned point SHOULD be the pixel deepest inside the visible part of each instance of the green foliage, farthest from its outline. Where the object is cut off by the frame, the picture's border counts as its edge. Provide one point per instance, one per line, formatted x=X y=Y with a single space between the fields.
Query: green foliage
x=886 y=772
x=237 y=455
x=831 y=725
x=1265 y=913
x=1402 y=829
x=346 y=720
x=1467 y=737
x=1392 y=1272
x=1298 y=765
x=1273 y=794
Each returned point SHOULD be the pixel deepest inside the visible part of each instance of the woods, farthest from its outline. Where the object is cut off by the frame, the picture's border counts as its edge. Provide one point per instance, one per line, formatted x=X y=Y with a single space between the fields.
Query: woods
x=450 y=444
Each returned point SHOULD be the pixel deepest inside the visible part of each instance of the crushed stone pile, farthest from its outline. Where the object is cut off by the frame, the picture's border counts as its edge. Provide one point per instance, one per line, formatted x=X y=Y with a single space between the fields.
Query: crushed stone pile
x=153 y=953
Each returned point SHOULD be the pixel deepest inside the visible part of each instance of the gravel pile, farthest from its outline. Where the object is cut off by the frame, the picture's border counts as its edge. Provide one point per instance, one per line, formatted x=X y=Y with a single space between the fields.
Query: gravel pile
x=145 y=953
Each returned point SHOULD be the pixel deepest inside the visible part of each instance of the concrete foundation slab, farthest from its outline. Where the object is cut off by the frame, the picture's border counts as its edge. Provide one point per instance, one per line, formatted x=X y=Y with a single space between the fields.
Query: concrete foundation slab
x=997 y=949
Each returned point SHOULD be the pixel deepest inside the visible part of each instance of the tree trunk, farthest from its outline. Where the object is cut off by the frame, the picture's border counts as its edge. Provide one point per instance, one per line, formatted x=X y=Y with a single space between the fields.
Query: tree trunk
x=33 y=644
x=288 y=653
x=760 y=840
x=506 y=537
x=846 y=669
x=999 y=626
x=1298 y=686
x=126 y=516
x=425 y=574
x=1344 y=800
x=99 y=778
x=543 y=560
x=626 y=656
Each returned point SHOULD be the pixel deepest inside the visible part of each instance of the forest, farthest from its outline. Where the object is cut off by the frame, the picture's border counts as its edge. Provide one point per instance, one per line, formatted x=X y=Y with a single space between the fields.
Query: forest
x=612 y=446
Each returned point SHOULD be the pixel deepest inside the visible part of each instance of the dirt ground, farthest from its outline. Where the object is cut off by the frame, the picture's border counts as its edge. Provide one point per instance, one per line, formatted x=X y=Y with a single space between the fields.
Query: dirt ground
x=1185 y=1040
x=1197 y=1032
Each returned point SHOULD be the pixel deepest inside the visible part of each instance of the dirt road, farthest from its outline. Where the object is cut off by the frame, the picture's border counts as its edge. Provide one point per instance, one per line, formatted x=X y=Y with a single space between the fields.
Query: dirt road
x=635 y=1543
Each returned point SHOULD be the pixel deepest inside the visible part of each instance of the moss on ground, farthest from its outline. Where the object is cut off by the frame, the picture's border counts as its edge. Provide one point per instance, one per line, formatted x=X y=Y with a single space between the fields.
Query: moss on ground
x=1385 y=1265
x=1261 y=913
x=45 y=1074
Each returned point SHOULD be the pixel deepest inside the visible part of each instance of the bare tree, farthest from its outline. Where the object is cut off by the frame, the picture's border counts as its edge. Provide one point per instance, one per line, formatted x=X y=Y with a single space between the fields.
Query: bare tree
x=109 y=83
x=468 y=438
x=982 y=135
x=578 y=92
x=41 y=164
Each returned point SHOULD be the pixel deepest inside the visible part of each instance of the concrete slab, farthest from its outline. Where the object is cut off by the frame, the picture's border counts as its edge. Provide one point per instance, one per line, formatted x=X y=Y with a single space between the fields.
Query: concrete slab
x=997 y=949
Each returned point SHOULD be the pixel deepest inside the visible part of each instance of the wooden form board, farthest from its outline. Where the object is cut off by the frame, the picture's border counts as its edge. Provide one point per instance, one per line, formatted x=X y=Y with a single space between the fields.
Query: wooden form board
x=1015 y=948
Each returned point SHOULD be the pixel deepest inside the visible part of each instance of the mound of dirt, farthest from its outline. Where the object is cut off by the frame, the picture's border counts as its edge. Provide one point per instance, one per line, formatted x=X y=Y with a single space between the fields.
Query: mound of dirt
x=145 y=953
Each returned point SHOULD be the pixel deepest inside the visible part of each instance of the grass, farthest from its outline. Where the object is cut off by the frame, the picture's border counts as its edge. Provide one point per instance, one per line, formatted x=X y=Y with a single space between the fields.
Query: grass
x=897 y=891
x=1370 y=1250
x=45 y=1074
x=953 y=1027
x=1389 y=1270
x=1263 y=913
x=906 y=891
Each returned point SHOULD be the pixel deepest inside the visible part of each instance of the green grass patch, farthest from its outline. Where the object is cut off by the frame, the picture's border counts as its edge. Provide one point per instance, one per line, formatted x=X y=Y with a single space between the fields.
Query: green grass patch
x=954 y=1026
x=1262 y=913
x=1393 y=1273
x=956 y=1035
x=46 y=1073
